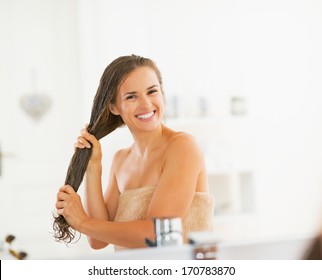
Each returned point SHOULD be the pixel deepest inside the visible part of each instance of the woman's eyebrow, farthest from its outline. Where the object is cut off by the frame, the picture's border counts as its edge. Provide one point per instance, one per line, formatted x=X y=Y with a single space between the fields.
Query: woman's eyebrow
x=152 y=87
x=129 y=93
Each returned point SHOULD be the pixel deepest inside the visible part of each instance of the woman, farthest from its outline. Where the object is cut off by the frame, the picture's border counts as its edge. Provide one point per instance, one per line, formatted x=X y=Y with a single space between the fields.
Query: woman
x=162 y=174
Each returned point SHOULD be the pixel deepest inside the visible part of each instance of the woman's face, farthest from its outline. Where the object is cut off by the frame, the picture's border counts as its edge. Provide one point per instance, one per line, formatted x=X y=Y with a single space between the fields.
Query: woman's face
x=140 y=100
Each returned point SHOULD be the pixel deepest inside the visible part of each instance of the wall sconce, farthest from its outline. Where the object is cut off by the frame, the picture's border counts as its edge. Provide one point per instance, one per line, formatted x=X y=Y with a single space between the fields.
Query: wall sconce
x=35 y=104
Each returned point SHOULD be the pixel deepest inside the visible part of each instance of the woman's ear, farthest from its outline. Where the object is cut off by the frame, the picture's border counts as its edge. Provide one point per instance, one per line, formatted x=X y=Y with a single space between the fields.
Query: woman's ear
x=113 y=109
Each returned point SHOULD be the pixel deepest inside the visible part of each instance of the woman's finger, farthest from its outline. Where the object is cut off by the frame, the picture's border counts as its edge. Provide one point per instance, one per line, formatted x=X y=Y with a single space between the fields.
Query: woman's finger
x=62 y=196
x=67 y=189
x=89 y=137
x=82 y=142
x=60 y=204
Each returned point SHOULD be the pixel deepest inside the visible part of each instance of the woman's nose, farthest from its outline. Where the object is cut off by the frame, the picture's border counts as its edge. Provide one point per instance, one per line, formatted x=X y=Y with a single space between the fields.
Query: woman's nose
x=145 y=101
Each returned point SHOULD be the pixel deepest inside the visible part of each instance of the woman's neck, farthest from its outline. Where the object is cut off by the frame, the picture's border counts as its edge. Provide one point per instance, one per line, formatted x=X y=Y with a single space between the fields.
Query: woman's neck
x=146 y=142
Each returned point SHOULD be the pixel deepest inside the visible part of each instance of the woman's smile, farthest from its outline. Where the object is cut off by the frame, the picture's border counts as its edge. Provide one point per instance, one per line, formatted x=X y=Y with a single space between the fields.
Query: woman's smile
x=146 y=116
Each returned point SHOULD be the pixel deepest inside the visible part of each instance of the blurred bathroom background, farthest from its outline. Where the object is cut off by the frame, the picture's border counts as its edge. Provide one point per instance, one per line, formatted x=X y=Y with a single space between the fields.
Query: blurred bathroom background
x=243 y=76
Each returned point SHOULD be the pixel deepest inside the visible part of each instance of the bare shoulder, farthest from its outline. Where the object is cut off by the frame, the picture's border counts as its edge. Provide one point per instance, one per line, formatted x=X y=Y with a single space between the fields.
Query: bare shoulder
x=119 y=156
x=179 y=139
x=185 y=145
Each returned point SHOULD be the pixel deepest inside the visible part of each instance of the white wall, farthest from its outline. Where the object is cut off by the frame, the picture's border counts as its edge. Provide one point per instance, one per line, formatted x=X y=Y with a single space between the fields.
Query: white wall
x=265 y=51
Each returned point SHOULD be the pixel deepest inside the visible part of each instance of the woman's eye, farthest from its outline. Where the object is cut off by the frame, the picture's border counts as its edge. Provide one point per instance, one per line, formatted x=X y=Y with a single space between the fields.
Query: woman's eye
x=130 y=97
x=152 y=91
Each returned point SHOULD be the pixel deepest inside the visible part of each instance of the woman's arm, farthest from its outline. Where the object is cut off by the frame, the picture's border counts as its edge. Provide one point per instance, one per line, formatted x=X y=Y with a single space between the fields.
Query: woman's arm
x=106 y=208
x=183 y=174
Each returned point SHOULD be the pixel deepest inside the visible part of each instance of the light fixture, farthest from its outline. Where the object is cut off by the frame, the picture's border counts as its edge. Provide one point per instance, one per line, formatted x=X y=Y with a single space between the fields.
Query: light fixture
x=35 y=104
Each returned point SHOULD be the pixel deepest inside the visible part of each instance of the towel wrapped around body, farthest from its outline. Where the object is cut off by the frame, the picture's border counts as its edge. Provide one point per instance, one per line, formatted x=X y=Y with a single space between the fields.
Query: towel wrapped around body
x=134 y=203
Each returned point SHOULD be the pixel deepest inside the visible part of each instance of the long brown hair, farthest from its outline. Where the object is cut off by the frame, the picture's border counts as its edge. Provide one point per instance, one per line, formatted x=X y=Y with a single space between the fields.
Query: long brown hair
x=102 y=122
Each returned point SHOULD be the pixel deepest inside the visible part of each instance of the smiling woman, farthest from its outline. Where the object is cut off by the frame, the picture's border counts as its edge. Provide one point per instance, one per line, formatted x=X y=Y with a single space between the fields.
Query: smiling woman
x=162 y=174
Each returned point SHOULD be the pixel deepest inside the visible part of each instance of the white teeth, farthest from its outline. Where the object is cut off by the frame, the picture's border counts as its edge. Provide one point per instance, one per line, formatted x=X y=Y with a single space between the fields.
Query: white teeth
x=146 y=116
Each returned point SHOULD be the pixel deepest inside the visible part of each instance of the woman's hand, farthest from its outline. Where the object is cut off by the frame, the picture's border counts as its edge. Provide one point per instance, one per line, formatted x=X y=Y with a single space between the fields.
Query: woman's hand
x=87 y=140
x=70 y=206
